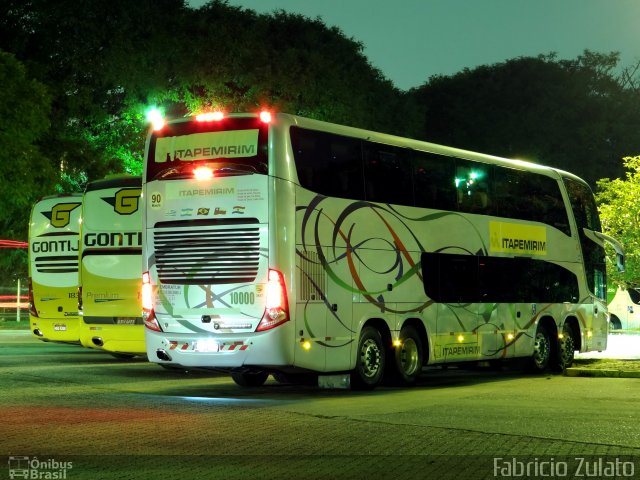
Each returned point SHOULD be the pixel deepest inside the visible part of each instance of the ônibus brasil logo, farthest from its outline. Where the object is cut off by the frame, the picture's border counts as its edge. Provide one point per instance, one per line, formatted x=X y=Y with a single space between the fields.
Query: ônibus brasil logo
x=31 y=467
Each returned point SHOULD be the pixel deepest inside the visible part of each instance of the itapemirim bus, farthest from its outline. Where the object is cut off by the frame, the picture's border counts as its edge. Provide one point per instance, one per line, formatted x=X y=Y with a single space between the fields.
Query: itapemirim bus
x=53 y=268
x=111 y=266
x=279 y=244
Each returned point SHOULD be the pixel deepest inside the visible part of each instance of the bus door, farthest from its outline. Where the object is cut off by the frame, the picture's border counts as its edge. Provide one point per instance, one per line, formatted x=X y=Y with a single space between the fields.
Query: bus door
x=451 y=280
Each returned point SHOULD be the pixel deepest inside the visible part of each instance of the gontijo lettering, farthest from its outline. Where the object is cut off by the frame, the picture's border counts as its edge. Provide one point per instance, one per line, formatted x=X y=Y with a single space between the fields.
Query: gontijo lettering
x=113 y=239
x=506 y=237
x=54 y=246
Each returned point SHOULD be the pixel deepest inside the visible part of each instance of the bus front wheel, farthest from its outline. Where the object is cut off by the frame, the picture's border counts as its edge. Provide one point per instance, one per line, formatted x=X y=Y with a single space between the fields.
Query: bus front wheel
x=370 y=362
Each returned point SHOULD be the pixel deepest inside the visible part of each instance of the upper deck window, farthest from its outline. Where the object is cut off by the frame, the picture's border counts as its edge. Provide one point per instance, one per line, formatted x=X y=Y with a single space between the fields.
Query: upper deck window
x=233 y=145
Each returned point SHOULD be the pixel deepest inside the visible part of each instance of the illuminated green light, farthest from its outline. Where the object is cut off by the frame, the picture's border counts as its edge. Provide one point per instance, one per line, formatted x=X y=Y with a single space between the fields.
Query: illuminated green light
x=155 y=117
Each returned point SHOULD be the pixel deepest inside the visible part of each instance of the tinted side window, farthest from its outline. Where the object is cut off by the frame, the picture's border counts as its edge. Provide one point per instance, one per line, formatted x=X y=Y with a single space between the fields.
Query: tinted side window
x=328 y=164
x=433 y=181
x=452 y=278
x=583 y=205
x=634 y=295
x=472 y=182
x=387 y=173
x=511 y=194
x=529 y=196
x=586 y=216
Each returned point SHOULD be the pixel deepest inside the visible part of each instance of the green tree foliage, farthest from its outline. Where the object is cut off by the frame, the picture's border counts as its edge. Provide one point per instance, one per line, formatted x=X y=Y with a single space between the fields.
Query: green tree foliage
x=104 y=61
x=618 y=202
x=96 y=57
x=24 y=109
x=571 y=114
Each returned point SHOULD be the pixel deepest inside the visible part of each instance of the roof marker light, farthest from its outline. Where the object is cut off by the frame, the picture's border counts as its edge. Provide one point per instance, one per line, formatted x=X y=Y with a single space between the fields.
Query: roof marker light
x=202 y=173
x=210 y=116
x=265 y=117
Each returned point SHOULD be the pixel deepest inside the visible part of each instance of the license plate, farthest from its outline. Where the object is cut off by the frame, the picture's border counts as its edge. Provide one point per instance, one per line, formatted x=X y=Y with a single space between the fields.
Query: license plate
x=125 y=320
x=207 y=345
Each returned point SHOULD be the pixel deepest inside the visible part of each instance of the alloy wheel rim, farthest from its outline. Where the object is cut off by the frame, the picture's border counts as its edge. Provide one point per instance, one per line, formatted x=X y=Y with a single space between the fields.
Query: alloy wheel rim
x=409 y=356
x=370 y=358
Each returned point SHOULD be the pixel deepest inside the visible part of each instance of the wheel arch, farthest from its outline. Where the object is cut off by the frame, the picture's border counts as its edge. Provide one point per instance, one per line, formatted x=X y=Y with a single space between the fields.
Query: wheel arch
x=381 y=325
x=615 y=322
x=575 y=330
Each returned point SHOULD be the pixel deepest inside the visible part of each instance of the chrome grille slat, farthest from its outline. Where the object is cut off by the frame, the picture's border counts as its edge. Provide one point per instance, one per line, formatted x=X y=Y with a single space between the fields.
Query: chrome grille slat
x=60 y=264
x=208 y=256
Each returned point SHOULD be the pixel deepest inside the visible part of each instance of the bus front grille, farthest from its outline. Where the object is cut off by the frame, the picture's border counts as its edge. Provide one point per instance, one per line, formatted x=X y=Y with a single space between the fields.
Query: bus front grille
x=207 y=256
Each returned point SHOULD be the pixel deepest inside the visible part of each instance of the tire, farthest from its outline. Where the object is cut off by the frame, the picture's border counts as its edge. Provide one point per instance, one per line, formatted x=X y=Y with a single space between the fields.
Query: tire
x=539 y=361
x=405 y=363
x=566 y=348
x=250 y=379
x=370 y=363
x=615 y=323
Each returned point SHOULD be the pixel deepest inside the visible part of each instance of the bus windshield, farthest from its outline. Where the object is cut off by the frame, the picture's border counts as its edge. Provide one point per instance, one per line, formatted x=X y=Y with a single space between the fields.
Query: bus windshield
x=230 y=146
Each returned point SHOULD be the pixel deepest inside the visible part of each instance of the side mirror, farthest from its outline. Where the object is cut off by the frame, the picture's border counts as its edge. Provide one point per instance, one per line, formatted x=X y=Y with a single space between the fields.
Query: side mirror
x=617 y=246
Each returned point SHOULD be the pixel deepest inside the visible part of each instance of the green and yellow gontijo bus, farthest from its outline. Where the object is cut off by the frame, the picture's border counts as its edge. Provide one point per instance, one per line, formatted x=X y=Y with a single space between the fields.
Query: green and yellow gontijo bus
x=110 y=266
x=53 y=268
x=276 y=244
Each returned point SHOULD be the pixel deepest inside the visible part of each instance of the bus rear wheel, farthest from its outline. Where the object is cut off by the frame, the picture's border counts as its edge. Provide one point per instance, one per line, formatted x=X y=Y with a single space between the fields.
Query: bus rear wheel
x=539 y=361
x=566 y=348
x=371 y=359
x=250 y=379
x=407 y=358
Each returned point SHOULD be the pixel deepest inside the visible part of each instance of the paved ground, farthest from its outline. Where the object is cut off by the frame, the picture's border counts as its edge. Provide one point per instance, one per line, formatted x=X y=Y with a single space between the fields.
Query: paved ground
x=132 y=420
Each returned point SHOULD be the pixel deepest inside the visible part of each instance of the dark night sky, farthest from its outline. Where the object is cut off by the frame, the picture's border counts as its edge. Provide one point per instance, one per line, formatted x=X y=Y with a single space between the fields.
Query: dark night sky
x=410 y=40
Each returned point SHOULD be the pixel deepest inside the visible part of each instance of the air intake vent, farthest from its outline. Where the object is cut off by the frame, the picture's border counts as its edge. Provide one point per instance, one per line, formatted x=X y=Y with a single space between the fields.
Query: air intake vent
x=313 y=278
x=208 y=255
x=59 y=264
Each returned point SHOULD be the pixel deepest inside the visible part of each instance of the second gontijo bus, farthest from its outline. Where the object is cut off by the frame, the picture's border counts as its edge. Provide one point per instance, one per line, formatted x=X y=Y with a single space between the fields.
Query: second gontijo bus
x=295 y=247
x=53 y=268
x=110 y=267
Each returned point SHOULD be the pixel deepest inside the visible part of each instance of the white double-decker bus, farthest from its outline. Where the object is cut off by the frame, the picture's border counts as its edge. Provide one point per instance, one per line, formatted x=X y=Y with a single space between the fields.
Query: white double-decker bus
x=284 y=245
x=53 y=268
x=110 y=267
